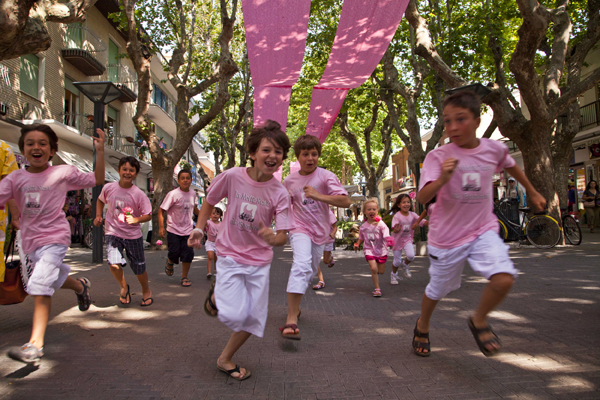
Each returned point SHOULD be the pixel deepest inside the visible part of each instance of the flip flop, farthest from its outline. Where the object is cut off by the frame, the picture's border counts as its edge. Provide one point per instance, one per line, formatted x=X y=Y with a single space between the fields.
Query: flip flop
x=185 y=282
x=150 y=299
x=209 y=303
x=292 y=336
x=233 y=371
x=169 y=271
x=493 y=340
x=127 y=297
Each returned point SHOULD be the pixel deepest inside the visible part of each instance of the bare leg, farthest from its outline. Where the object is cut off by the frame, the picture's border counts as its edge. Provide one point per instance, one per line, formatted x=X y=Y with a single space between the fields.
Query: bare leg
x=493 y=294
x=119 y=275
x=236 y=341
x=41 y=314
x=185 y=269
x=374 y=273
x=326 y=257
x=320 y=275
x=210 y=257
x=294 y=300
x=427 y=307
x=73 y=284
x=146 y=292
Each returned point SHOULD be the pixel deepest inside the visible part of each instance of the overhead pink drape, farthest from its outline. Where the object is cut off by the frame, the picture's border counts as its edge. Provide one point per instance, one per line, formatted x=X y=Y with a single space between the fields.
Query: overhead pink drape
x=364 y=32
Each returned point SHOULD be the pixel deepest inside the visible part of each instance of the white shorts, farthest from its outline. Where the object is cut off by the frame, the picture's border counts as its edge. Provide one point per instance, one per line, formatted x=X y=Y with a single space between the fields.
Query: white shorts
x=409 y=251
x=307 y=256
x=242 y=295
x=328 y=247
x=210 y=246
x=44 y=271
x=487 y=256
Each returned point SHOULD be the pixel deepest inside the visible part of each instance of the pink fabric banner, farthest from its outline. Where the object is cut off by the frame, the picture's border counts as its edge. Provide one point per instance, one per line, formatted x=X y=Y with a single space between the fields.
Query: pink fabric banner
x=275 y=38
x=364 y=32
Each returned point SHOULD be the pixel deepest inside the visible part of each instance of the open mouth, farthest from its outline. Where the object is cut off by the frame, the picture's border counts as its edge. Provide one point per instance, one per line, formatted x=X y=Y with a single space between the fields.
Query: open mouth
x=37 y=156
x=270 y=164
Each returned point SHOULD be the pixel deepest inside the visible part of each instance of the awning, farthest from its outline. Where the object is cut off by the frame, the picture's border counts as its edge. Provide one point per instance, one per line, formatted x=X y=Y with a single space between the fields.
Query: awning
x=357 y=197
x=85 y=164
x=406 y=189
x=351 y=188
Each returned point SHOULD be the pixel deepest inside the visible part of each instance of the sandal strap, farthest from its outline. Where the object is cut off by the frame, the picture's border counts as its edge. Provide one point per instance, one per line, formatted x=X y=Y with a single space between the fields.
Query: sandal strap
x=419 y=334
x=421 y=345
x=290 y=326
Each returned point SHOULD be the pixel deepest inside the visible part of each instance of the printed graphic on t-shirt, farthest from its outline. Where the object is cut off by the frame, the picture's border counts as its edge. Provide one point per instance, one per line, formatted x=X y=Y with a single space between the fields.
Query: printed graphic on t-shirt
x=247 y=212
x=119 y=205
x=306 y=201
x=32 y=200
x=370 y=236
x=471 y=182
x=405 y=228
x=186 y=205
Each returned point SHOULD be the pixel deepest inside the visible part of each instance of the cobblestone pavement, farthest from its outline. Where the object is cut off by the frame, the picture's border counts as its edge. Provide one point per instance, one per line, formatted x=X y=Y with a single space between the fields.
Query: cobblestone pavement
x=353 y=345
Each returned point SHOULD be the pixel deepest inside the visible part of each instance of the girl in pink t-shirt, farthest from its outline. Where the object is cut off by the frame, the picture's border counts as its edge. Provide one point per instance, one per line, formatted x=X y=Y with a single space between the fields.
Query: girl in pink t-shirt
x=375 y=235
x=40 y=193
x=212 y=229
x=404 y=223
x=245 y=241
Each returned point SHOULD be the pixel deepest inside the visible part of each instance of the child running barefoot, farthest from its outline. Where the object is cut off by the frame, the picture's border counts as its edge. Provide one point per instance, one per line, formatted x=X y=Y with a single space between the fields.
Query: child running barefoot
x=123 y=231
x=179 y=207
x=327 y=258
x=404 y=223
x=375 y=235
x=245 y=241
x=312 y=190
x=40 y=192
x=463 y=226
x=212 y=229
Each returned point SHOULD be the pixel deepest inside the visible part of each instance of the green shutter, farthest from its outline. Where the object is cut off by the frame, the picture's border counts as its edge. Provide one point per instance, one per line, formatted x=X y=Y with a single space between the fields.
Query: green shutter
x=29 y=75
x=113 y=62
x=70 y=87
x=112 y=113
x=74 y=36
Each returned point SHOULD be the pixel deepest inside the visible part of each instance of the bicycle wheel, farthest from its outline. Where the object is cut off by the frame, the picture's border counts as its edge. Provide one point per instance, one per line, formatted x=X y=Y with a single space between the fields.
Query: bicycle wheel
x=572 y=230
x=88 y=239
x=542 y=231
x=503 y=231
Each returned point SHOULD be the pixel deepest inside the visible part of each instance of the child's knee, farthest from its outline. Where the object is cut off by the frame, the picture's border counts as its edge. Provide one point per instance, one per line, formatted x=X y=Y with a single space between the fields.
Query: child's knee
x=115 y=267
x=374 y=270
x=501 y=282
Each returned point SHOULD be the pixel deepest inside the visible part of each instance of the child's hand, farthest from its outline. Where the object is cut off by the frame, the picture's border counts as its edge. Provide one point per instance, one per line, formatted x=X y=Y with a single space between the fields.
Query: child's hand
x=161 y=231
x=537 y=200
x=130 y=219
x=396 y=229
x=389 y=240
x=99 y=141
x=332 y=235
x=426 y=223
x=311 y=193
x=414 y=226
x=195 y=239
x=98 y=221
x=267 y=234
x=356 y=245
x=448 y=167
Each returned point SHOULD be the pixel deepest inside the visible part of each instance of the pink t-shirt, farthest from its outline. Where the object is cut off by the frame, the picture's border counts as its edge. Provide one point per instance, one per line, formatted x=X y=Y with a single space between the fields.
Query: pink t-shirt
x=332 y=220
x=249 y=203
x=179 y=206
x=406 y=233
x=373 y=237
x=116 y=199
x=311 y=216
x=41 y=197
x=212 y=230
x=464 y=206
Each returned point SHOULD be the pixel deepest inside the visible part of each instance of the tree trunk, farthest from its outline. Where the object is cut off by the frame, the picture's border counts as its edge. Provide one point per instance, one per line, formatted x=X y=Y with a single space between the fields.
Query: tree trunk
x=163 y=184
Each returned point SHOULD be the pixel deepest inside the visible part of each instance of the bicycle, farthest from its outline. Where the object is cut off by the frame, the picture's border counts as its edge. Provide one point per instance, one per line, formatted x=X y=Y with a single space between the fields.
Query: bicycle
x=571 y=228
x=540 y=229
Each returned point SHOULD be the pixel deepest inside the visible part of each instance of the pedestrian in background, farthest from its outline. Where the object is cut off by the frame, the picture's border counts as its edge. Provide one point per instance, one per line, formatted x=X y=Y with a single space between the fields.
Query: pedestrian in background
x=590 y=204
x=8 y=164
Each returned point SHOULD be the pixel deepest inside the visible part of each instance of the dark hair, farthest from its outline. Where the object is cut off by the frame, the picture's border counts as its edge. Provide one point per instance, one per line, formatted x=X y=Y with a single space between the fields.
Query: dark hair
x=589 y=183
x=184 y=171
x=271 y=131
x=307 y=142
x=131 y=161
x=52 y=138
x=464 y=99
x=219 y=211
x=396 y=206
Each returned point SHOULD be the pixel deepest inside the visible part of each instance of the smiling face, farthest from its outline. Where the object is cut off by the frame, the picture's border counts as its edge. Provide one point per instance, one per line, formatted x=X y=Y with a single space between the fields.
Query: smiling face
x=215 y=216
x=371 y=210
x=185 y=181
x=309 y=160
x=405 y=205
x=37 y=151
x=460 y=125
x=127 y=173
x=268 y=157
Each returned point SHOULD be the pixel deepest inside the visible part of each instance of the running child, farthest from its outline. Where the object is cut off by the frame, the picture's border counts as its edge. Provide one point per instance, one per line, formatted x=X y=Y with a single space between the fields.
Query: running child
x=40 y=193
x=463 y=226
x=312 y=190
x=404 y=223
x=245 y=241
x=179 y=205
x=212 y=229
x=128 y=207
x=375 y=235
x=327 y=249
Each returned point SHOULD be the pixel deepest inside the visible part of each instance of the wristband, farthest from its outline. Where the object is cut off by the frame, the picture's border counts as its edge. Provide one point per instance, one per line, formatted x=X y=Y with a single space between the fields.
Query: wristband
x=199 y=230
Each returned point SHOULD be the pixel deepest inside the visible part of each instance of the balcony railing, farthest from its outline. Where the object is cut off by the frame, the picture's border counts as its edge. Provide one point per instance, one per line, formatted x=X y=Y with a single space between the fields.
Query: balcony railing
x=6 y=90
x=83 y=123
x=81 y=47
x=125 y=79
x=590 y=117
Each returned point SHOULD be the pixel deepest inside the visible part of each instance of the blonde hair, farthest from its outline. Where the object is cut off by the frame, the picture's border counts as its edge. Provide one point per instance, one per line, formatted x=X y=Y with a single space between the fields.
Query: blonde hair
x=370 y=200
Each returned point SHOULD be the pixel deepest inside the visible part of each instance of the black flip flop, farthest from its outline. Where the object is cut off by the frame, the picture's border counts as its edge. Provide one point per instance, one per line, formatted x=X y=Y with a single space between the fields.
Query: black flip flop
x=233 y=371
x=150 y=299
x=169 y=271
x=127 y=297
x=493 y=340
x=210 y=303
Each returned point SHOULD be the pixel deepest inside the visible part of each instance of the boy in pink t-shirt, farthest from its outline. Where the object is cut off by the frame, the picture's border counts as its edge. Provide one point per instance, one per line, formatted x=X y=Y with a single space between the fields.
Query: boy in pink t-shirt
x=463 y=226
x=312 y=190
x=179 y=205
x=245 y=240
x=40 y=193
x=128 y=207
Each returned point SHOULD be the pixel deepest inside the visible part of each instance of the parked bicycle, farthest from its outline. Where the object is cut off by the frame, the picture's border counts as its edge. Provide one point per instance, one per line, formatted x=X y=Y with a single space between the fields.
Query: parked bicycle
x=571 y=228
x=540 y=229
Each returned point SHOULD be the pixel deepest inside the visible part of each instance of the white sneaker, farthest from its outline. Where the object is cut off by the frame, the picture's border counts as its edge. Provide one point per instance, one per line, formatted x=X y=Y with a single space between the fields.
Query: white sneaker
x=393 y=278
x=406 y=272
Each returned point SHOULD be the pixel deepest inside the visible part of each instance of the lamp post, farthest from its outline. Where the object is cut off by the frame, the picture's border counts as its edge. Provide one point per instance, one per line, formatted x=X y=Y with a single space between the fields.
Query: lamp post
x=100 y=93
x=476 y=88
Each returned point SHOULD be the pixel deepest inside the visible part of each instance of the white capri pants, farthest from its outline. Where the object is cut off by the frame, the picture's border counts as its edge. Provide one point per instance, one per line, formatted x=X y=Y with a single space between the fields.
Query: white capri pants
x=307 y=256
x=242 y=295
x=328 y=246
x=45 y=271
x=210 y=246
x=487 y=256
x=409 y=250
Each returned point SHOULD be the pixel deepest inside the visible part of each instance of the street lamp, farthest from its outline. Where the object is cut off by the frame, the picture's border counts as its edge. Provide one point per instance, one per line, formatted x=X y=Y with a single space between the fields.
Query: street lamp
x=100 y=93
x=476 y=88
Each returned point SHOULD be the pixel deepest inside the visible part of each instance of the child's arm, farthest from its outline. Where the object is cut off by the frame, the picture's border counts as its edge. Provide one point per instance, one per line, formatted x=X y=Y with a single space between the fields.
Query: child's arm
x=423 y=215
x=196 y=211
x=358 y=243
x=535 y=197
x=161 y=222
x=340 y=200
x=99 y=209
x=429 y=191
x=130 y=219
x=99 y=145
x=198 y=232
x=15 y=214
x=333 y=230
x=272 y=238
